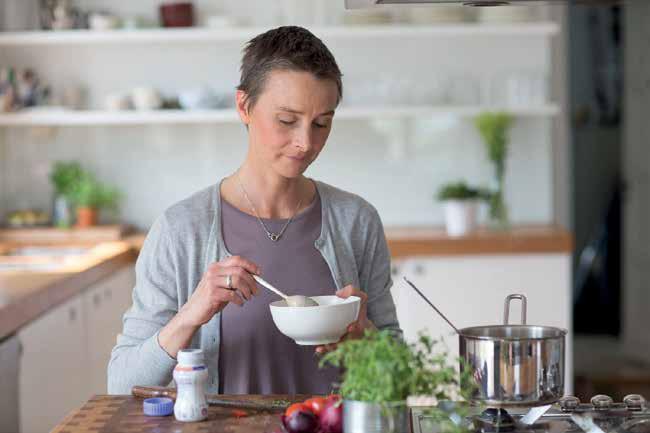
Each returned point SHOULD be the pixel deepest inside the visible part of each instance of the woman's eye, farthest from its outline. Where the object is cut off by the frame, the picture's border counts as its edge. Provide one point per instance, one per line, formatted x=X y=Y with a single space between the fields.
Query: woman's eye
x=320 y=125
x=287 y=122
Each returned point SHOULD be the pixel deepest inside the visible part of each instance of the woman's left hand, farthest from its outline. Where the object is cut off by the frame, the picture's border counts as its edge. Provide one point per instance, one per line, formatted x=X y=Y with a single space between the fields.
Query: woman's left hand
x=357 y=328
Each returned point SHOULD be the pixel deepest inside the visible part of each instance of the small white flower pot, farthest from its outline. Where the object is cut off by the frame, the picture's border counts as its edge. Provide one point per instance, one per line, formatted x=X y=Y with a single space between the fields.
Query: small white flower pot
x=460 y=216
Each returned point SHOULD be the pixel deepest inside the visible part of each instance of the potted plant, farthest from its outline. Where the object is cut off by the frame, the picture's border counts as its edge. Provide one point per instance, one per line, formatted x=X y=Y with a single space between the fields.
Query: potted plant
x=460 y=202
x=494 y=128
x=64 y=176
x=380 y=372
x=89 y=196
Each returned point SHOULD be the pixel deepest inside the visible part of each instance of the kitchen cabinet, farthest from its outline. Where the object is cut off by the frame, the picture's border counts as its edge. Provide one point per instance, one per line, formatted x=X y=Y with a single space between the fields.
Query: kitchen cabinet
x=470 y=291
x=53 y=377
x=104 y=305
x=66 y=351
x=9 y=359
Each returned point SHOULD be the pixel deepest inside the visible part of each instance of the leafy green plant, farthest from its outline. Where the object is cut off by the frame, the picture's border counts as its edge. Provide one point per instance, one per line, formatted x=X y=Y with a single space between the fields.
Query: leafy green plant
x=458 y=191
x=88 y=192
x=381 y=368
x=65 y=175
x=494 y=128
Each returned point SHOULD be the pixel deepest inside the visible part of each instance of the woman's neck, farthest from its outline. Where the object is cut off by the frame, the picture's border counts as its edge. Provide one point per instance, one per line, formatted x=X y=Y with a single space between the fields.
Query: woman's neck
x=273 y=196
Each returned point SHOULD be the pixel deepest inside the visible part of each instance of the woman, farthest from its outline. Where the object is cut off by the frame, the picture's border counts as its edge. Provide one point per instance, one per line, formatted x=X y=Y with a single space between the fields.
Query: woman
x=193 y=277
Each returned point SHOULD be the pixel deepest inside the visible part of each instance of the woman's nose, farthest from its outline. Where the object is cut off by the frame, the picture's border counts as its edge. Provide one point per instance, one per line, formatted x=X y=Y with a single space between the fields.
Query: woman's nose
x=303 y=141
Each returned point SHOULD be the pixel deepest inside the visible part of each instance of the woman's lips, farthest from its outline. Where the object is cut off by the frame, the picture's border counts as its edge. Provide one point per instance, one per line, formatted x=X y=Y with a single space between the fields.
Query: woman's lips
x=298 y=157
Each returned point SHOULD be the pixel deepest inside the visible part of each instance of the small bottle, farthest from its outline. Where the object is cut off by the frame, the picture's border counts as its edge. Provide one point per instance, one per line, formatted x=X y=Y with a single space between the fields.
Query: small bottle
x=191 y=376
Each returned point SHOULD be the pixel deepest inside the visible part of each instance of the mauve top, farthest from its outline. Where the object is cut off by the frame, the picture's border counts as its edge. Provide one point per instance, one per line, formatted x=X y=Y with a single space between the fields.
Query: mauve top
x=254 y=357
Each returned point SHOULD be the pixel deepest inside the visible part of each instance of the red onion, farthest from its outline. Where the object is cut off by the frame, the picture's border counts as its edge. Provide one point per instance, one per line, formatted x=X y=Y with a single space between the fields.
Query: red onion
x=331 y=417
x=300 y=422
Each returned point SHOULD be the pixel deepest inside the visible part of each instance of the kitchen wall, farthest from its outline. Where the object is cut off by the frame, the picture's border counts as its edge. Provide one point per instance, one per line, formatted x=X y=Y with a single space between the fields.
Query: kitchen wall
x=158 y=165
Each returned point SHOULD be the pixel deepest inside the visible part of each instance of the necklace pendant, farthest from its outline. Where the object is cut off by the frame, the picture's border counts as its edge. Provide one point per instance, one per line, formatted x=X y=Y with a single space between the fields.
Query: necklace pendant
x=274 y=237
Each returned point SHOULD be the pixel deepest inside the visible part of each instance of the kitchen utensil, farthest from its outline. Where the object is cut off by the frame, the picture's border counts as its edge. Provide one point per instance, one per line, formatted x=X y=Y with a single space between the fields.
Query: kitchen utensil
x=179 y=14
x=431 y=304
x=236 y=401
x=103 y=21
x=292 y=301
x=146 y=98
x=117 y=102
x=323 y=324
x=514 y=365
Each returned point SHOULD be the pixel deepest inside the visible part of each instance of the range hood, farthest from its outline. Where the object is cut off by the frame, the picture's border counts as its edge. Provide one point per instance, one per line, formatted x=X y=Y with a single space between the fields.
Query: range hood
x=362 y=4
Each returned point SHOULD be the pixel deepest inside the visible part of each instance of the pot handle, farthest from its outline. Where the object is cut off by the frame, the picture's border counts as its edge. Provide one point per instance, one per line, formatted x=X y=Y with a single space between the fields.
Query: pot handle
x=506 y=308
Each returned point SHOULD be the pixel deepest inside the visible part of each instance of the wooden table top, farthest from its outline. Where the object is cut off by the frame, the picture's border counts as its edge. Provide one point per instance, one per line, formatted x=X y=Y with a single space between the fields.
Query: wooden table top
x=123 y=414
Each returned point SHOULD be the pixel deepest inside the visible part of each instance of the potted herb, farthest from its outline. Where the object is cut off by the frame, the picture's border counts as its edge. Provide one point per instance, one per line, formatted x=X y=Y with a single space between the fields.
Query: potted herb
x=380 y=372
x=64 y=176
x=494 y=128
x=89 y=196
x=460 y=202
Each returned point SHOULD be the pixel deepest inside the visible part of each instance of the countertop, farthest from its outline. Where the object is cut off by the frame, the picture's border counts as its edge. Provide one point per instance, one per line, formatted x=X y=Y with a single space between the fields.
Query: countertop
x=434 y=241
x=121 y=413
x=25 y=296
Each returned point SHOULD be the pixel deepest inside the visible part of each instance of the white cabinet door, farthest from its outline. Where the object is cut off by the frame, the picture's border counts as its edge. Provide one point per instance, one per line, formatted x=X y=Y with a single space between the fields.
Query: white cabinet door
x=52 y=379
x=105 y=304
x=470 y=291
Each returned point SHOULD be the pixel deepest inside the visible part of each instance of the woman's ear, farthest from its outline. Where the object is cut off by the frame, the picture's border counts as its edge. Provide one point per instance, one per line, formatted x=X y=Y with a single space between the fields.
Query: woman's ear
x=242 y=106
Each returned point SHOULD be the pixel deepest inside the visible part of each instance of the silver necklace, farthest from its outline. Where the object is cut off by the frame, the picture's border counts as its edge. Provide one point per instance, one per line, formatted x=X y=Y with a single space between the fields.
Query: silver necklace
x=273 y=236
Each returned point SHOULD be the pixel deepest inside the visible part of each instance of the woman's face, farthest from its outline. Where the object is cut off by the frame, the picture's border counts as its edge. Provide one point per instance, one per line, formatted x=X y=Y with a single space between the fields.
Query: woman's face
x=291 y=120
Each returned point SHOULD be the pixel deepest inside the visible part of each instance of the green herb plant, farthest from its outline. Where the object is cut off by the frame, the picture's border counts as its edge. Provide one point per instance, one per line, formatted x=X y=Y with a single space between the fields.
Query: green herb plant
x=381 y=368
x=88 y=192
x=459 y=191
x=64 y=176
x=494 y=128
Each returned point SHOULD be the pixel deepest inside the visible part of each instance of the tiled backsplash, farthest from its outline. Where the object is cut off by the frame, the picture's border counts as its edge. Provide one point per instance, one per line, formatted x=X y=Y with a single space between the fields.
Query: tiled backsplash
x=156 y=166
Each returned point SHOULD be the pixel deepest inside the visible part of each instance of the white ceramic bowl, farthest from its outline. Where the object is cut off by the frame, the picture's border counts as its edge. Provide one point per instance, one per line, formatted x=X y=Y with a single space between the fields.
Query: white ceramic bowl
x=323 y=324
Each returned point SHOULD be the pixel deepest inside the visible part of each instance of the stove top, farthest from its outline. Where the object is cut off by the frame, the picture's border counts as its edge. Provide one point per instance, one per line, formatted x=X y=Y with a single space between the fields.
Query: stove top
x=569 y=415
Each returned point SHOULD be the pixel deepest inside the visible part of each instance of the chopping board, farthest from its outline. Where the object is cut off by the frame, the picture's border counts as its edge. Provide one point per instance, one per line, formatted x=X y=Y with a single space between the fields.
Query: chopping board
x=53 y=235
x=123 y=414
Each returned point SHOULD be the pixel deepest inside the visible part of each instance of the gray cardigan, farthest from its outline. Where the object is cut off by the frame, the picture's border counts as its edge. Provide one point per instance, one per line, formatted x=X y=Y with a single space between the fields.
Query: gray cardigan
x=187 y=237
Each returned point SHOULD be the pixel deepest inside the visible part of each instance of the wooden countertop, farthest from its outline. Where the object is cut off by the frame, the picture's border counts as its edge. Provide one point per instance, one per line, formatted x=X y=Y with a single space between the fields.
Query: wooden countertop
x=433 y=241
x=25 y=295
x=122 y=413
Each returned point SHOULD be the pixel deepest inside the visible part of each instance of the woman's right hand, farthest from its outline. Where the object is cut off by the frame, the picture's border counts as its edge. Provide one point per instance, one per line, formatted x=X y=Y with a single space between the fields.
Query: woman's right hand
x=213 y=294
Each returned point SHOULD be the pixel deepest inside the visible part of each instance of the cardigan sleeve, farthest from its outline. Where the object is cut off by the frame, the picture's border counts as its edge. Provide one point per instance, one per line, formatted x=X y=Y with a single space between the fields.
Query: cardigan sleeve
x=375 y=276
x=138 y=358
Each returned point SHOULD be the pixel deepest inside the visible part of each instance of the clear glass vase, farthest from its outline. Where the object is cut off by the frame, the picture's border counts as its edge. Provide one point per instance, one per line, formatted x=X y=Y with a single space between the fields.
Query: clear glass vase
x=498 y=209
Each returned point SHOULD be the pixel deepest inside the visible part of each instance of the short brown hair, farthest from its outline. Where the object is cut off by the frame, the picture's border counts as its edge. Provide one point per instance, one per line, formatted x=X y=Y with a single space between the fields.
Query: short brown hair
x=286 y=48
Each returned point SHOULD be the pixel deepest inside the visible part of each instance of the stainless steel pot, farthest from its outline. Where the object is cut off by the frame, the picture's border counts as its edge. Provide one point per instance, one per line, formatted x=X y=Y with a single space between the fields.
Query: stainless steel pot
x=514 y=365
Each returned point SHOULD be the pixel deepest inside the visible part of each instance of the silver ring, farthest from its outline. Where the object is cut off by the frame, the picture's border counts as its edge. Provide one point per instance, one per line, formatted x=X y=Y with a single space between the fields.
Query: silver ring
x=229 y=281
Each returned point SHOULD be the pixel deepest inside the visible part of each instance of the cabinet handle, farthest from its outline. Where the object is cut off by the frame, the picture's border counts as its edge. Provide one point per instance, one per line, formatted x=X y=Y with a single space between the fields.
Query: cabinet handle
x=108 y=294
x=72 y=314
x=419 y=269
x=97 y=299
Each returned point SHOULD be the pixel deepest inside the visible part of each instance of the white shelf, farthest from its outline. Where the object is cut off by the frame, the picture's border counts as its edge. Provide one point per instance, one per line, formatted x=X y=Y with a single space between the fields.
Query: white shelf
x=198 y=34
x=42 y=117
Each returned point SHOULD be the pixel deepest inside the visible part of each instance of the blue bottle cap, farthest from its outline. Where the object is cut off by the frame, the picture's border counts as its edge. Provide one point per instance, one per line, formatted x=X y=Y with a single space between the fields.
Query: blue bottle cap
x=159 y=406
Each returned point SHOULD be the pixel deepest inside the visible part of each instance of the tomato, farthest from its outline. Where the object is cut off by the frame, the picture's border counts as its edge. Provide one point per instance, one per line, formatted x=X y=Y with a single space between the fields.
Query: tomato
x=297 y=407
x=316 y=404
x=238 y=413
x=333 y=397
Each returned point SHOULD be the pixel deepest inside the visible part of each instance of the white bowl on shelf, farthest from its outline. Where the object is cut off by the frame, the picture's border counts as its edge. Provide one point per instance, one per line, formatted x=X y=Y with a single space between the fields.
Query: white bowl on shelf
x=323 y=324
